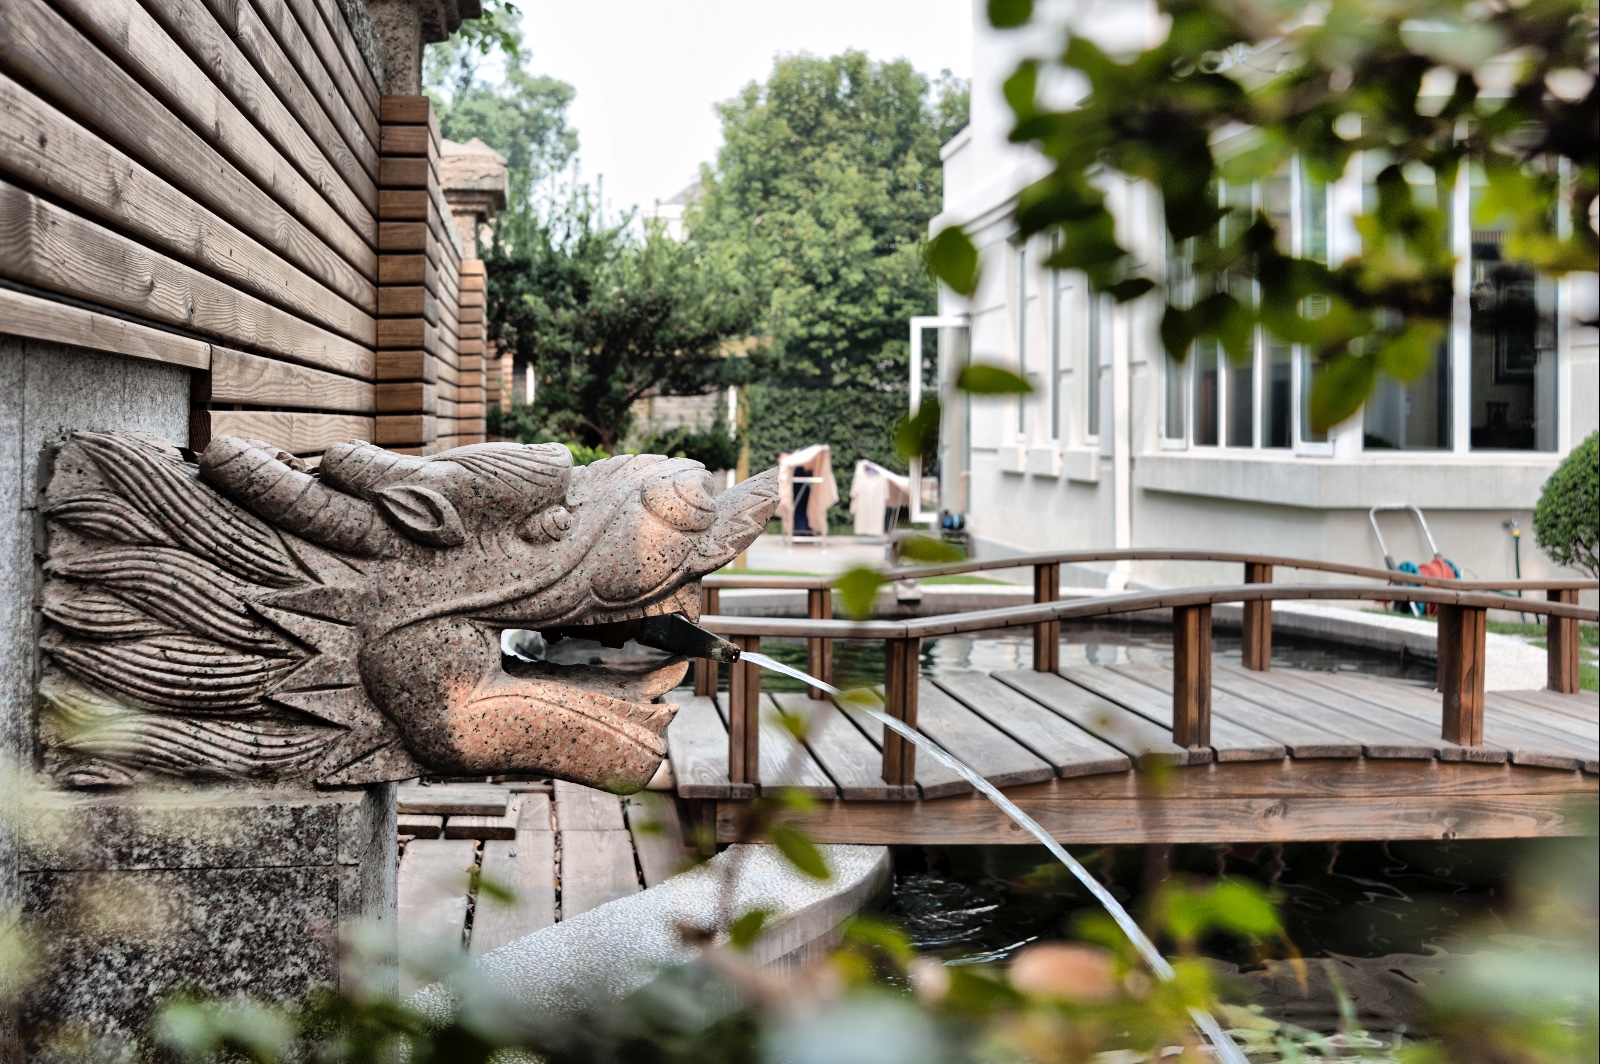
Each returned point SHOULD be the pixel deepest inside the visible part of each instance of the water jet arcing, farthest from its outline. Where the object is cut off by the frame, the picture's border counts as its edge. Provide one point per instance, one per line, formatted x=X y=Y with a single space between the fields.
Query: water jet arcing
x=1226 y=1050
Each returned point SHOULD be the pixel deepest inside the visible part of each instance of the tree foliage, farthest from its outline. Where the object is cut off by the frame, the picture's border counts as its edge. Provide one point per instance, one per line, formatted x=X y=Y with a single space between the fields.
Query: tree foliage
x=481 y=88
x=828 y=175
x=606 y=316
x=1567 y=519
x=1429 y=86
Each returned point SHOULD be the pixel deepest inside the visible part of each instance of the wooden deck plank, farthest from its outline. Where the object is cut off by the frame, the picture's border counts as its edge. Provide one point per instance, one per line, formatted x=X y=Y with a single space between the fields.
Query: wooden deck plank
x=849 y=759
x=1068 y=749
x=432 y=912
x=1415 y=728
x=527 y=868
x=697 y=743
x=1525 y=747
x=1312 y=711
x=985 y=749
x=419 y=827
x=1527 y=742
x=447 y=799
x=580 y=808
x=1550 y=719
x=596 y=867
x=657 y=837
x=785 y=762
x=1150 y=695
x=1122 y=728
x=934 y=779
x=1583 y=705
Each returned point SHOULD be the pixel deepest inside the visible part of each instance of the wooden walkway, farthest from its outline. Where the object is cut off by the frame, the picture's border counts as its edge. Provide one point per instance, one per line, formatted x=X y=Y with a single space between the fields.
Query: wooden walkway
x=1089 y=752
x=559 y=849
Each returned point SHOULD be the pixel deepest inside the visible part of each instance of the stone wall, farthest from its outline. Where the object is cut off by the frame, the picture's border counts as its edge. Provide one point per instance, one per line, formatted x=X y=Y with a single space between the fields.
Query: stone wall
x=48 y=390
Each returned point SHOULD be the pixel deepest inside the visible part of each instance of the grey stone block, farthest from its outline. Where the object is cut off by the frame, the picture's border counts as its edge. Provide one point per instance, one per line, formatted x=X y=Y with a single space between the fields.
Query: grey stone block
x=223 y=890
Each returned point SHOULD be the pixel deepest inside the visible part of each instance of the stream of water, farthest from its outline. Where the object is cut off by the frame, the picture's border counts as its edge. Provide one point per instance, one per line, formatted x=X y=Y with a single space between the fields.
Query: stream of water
x=1226 y=1050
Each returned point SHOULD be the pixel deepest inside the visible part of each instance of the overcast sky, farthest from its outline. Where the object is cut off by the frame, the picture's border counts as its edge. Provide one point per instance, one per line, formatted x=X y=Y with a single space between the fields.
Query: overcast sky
x=647 y=72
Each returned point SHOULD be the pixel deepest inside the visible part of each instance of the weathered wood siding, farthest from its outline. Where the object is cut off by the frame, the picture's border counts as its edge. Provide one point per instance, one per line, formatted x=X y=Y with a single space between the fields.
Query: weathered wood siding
x=225 y=174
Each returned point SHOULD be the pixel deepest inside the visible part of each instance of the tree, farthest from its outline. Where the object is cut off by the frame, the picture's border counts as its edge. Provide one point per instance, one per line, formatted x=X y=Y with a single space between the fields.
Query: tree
x=1567 y=519
x=606 y=316
x=828 y=175
x=1427 y=85
x=523 y=116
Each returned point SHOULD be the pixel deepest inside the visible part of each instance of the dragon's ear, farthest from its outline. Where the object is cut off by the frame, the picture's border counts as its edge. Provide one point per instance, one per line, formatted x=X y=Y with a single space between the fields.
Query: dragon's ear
x=422 y=514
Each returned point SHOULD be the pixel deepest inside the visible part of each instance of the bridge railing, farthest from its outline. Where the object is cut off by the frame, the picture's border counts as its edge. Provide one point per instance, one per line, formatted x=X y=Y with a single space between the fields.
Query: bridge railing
x=1463 y=616
x=1256 y=649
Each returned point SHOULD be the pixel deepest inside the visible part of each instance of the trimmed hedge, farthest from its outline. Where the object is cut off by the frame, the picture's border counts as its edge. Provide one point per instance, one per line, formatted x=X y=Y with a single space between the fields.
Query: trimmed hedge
x=1567 y=519
x=856 y=422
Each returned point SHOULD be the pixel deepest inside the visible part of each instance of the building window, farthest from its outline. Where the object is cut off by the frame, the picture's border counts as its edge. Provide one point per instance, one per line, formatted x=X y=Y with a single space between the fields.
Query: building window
x=1094 y=361
x=1060 y=317
x=1513 y=405
x=1173 y=423
x=1027 y=307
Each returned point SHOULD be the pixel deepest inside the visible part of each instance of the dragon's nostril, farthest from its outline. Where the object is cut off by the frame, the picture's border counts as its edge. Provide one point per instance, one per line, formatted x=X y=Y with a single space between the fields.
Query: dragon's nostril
x=684 y=501
x=549 y=524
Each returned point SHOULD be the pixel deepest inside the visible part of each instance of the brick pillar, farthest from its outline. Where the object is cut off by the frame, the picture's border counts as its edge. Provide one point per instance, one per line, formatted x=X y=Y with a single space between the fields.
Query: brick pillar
x=408 y=276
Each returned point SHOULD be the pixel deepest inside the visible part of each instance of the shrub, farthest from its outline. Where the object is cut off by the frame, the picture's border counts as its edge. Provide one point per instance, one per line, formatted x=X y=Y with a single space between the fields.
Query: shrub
x=855 y=422
x=712 y=448
x=1567 y=519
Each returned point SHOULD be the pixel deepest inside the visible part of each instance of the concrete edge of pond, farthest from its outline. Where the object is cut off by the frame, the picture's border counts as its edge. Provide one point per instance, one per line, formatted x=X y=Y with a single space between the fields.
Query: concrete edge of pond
x=617 y=948
x=1514 y=665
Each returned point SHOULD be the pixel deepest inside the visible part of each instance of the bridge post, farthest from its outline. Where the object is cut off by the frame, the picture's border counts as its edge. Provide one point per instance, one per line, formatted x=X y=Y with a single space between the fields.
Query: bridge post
x=1561 y=644
x=819 y=650
x=705 y=670
x=1258 y=621
x=1046 y=634
x=744 y=715
x=900 y=677
x=1191 y=675
x=1461 y=672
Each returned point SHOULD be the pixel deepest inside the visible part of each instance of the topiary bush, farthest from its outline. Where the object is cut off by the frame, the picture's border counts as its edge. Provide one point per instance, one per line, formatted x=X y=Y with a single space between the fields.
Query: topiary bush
x=1567 y=519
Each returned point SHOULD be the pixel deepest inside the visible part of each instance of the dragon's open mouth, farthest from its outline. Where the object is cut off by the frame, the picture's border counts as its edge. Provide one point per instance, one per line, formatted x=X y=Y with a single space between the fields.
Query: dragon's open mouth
x=622 y=699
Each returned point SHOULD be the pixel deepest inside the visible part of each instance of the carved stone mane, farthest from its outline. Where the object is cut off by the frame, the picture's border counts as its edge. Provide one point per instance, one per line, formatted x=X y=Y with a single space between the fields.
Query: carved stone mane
x=243 y=617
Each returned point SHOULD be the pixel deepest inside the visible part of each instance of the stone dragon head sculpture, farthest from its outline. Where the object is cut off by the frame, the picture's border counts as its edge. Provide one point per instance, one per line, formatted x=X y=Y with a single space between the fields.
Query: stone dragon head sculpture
x=241 y=616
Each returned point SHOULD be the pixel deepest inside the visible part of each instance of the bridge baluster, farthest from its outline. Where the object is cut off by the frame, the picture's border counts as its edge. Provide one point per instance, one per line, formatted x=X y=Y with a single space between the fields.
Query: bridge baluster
x=1046 y=634
x=1461 y=672
x=744 y=709
x=1257 y=649
x=1561 y=644
x=819 y=651
x=900 y=677
x=705 y=670
x=1191 y=675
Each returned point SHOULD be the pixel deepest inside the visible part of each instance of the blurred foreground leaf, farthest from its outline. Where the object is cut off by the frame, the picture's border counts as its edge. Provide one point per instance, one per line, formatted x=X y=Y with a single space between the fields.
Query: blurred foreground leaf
x=857 y=588
x=983 y=379
x=953 y=259
x=801 y=851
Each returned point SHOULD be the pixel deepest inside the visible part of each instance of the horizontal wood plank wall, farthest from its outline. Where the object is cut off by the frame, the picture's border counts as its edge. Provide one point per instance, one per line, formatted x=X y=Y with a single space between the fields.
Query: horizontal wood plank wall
x=197 y=182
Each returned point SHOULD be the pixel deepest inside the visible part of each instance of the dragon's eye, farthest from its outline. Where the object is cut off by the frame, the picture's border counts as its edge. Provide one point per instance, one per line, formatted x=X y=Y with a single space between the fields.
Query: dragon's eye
x=682 y=501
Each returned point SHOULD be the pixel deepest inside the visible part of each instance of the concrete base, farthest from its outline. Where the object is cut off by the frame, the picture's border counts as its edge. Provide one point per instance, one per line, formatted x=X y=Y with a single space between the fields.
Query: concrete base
x=221 y=889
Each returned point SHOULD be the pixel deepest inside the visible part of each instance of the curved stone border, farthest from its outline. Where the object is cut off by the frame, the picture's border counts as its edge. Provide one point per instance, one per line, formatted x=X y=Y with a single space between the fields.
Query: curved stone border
x=617 y=948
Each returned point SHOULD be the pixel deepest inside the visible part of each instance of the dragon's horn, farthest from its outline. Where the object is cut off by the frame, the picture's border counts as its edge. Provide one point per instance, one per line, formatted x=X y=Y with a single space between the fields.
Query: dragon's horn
x=291 y=500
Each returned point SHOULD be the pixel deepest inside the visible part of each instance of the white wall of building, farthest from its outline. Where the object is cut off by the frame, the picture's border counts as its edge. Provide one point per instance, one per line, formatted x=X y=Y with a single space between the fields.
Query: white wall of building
x=1043 y=478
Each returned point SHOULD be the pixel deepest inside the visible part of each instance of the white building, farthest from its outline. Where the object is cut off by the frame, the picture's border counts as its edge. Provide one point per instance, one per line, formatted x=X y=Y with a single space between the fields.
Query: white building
x=1118 y=447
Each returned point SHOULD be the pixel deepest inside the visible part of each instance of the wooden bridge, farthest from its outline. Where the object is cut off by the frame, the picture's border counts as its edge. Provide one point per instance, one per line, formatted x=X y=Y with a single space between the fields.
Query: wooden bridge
x=1145 y=753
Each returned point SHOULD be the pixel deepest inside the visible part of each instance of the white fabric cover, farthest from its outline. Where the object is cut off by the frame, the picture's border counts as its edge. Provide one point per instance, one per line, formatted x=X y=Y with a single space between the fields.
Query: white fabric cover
x=873 y=490
x=819 y=459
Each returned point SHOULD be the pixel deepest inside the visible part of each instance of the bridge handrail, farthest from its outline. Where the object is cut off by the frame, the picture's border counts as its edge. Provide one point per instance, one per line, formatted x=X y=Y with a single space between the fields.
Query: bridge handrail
x=1076 y=557
x=1111 y=605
